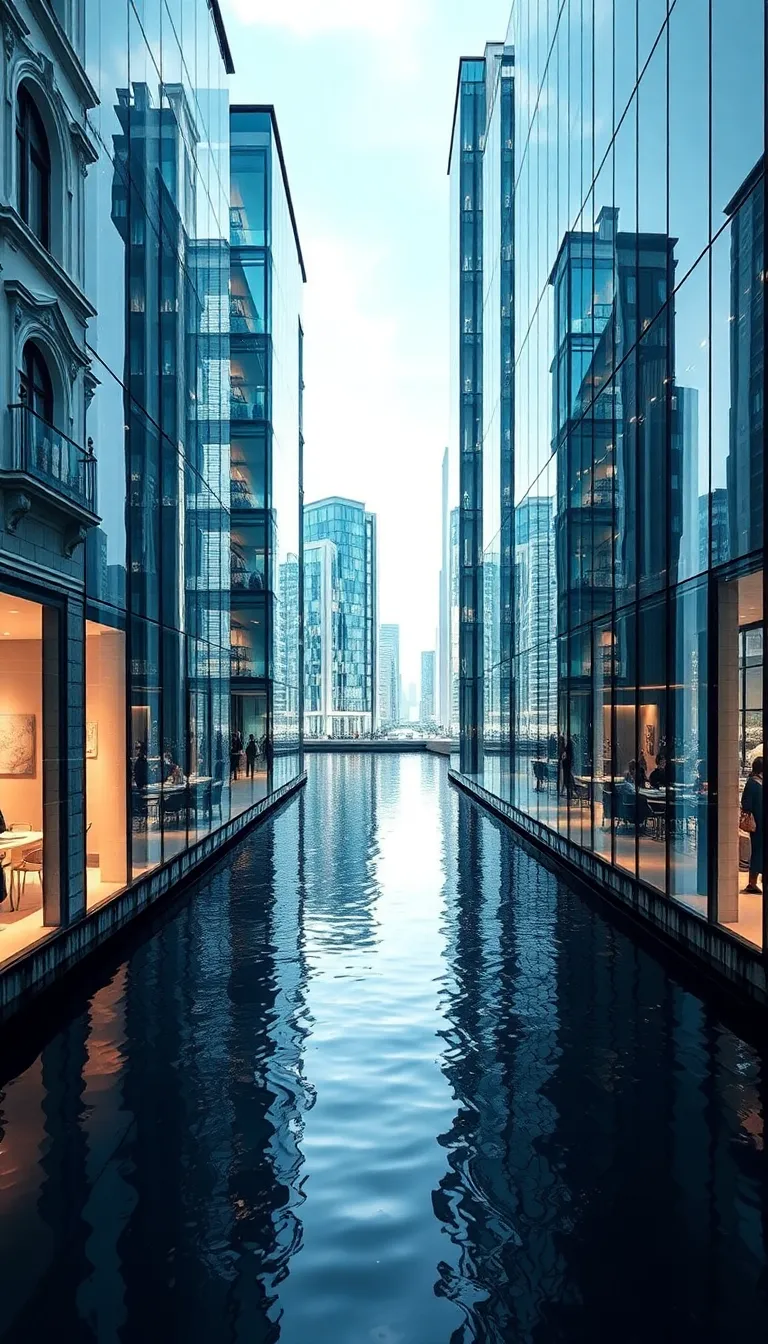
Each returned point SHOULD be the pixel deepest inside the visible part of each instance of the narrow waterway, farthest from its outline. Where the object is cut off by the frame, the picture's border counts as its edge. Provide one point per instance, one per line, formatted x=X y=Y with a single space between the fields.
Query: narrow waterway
x=382 y=1077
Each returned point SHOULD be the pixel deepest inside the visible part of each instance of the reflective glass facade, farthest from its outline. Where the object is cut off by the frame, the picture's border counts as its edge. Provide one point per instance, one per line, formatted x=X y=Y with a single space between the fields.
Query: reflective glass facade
x=157 y=271
x=266 y=389
x=627 y=594
x=481 y=193
x=354 y=627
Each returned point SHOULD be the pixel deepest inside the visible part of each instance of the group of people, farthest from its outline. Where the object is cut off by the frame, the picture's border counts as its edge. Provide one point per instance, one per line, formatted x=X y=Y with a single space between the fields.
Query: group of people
x=170 y=771
x=637 y=773
x=252 y=749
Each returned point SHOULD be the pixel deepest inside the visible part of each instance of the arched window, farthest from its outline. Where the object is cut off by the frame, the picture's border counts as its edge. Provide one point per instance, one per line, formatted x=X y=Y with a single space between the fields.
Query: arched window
x=37 y=389
x=33 y=161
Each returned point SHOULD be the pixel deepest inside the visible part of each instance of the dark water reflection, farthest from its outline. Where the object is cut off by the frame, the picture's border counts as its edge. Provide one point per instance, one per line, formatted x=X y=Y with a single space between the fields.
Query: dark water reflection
x=383 y=1078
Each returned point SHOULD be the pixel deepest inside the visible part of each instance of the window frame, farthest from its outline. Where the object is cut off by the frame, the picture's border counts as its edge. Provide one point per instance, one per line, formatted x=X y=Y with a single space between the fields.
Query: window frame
x=32 y=152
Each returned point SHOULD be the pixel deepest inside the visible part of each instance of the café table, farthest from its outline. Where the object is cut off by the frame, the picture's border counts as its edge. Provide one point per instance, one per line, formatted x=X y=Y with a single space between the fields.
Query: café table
x=14 y=841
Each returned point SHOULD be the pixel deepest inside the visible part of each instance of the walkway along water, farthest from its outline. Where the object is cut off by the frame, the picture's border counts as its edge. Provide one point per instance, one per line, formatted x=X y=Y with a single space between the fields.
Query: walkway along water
x=382 y=1077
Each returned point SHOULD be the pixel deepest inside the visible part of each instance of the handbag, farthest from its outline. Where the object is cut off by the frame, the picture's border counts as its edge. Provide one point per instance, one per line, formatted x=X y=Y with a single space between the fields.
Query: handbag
x=747 y=822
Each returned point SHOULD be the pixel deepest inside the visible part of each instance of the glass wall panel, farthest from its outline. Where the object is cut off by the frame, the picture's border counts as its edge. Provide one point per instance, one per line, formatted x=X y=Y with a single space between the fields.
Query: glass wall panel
x=157 y=202
x=146 y=749
x=22 y=731
x=107 y=763
x=606 y=787
x=687 y=764
x=629 y=812
x=636 y=433
x=653 y=815
x=739 y=766
x=248 y=482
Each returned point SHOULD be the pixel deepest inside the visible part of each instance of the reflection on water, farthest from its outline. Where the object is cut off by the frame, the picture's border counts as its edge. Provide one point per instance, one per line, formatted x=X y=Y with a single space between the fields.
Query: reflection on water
x=382 y=1077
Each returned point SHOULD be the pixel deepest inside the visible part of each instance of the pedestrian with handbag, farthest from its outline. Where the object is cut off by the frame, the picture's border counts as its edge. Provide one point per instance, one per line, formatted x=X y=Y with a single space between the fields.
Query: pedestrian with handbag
x=751 y=821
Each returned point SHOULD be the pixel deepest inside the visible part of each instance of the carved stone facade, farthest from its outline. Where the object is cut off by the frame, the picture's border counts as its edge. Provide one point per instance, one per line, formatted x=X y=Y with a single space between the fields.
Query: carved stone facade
x=48 y=499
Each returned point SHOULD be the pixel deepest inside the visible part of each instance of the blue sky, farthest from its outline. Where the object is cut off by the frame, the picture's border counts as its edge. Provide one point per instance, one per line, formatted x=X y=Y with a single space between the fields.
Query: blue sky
x=364 y=98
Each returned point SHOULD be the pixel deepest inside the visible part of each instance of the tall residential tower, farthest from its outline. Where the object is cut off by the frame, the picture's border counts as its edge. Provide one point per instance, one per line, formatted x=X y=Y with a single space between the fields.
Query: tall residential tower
x=351 y=530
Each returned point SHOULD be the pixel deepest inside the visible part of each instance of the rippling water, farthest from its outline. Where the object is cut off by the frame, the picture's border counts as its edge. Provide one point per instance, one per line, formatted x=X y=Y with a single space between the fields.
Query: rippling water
x=382 y=1077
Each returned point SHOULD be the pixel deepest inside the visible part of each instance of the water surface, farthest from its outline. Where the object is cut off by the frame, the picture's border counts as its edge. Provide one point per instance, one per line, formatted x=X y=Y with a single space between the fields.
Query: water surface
x=382 y=1077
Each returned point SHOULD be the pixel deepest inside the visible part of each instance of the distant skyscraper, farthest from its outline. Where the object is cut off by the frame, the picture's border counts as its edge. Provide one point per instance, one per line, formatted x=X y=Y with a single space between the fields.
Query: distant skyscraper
x=719 y=501
x=354 y=670
x=684 y=428
x=536 y=617
x=427 y=704
x=320 y=588
x=745 y=454
x=409 y=701
x=389 y=675
x=444 y=616
x=453 y=617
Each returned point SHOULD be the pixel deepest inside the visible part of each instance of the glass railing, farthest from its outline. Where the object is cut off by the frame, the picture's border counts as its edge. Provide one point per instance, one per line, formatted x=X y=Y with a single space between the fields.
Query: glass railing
x=42 y=451
x=247 y=402
x=242 y=496
x=250 y=577
x=245 y=662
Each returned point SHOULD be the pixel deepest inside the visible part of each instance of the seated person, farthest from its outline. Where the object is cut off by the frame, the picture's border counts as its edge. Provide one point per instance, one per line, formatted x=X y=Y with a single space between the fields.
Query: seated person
x=172 y=773
x=633 y=809
x=659 y=773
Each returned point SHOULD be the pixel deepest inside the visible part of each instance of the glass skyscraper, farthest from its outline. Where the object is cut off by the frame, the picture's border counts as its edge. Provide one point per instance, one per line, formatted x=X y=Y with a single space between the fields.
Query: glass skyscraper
x=481 y=257
x=389 y=675
x=626 y=594
x=120 y=516
x=267 y=274
x=427 y=696
x=351 y=530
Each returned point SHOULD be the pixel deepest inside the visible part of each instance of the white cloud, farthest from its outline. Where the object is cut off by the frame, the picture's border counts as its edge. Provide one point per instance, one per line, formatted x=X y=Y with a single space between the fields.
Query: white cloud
x=307 y=18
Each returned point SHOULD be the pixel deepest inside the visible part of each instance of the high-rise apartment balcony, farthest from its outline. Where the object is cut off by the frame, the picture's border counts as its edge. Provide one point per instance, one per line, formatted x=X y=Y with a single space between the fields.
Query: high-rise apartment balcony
x=45 y=462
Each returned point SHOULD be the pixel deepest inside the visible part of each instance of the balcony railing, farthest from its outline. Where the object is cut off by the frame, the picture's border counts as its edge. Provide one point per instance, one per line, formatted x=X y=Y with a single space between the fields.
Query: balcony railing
x=41 y=451
x=245 y=662
x=250 y=578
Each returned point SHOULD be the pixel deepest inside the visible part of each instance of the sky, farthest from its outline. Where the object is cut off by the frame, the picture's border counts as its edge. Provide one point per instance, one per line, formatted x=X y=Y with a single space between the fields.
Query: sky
x=364 y=93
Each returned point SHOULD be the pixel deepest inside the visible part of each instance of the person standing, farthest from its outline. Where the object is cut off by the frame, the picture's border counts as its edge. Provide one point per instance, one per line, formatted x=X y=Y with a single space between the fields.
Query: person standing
x=250 y=757
x=752 y=803
x=141 y=767
x=235 y=748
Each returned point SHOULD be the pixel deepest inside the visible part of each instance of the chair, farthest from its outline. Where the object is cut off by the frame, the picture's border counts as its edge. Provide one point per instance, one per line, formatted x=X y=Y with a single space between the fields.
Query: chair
x=7 y=865
x=32 y=862
x=657 y=815
x=173 y=804
x=139 y=811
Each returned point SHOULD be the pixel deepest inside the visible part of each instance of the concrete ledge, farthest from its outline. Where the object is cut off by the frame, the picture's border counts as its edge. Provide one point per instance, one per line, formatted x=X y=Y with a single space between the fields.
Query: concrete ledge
x=721 y=954
x=364 y=744
x=35 y=970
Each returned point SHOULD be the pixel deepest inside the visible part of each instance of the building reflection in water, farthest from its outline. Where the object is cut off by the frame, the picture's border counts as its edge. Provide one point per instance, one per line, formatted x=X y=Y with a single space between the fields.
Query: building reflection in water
x=341 y=913
x=150 y=1163
x=604 y=1115
x=382 y=1076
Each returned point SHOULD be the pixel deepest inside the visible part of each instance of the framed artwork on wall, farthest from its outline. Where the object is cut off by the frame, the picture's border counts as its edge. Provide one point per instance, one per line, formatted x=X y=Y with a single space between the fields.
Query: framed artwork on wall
x=91 y=739
x=18 y=757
